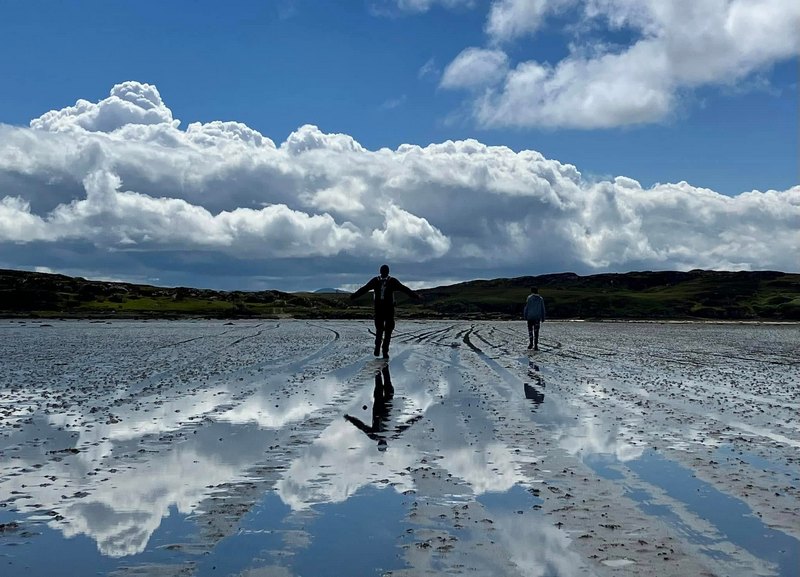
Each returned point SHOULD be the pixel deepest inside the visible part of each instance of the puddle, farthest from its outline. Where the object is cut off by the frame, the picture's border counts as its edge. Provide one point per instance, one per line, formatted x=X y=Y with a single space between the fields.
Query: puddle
x=605 y=465
x=516 y=500
x=728 y=452
x=360 y=533
x=22 y=550
x=616 y=563
x=730 y=517
x=534 y=545
x=666 y=513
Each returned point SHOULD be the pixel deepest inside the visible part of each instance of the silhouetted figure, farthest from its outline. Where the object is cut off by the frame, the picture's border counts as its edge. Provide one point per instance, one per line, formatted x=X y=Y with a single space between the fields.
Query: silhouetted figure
x=382 y=397
x=533 y=390
x=384 y=287
x=534 y=313
x=533 y=394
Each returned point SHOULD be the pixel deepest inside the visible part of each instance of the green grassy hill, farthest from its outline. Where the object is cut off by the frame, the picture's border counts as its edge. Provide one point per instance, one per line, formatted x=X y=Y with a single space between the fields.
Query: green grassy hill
x=763 y=295
x=636 y=295
x=51 y=295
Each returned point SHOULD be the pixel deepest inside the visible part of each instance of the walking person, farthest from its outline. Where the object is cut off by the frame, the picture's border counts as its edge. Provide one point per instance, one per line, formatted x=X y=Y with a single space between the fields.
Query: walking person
x=384 y=287
x=534 y=313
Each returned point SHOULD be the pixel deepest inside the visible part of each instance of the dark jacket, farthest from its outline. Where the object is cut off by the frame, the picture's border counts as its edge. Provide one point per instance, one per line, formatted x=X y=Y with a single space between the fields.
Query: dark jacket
x=384 y=289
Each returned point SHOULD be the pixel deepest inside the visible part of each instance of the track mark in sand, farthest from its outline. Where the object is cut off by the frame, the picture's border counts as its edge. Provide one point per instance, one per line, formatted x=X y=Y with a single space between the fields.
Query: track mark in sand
x=183 y=342
x=675 y=359
x=220 y=334
x=398 y=336
x=237 y=341
x=748 y=359
x=468 y=342
x=496 y=347
x=429 y=337
x=571 y=354
x=501 y=371
x=463 y=332
x=336 y=335
x=205 y=355
x=484 y=340
x=303 y=362
x=235 y=327
x=214 y=336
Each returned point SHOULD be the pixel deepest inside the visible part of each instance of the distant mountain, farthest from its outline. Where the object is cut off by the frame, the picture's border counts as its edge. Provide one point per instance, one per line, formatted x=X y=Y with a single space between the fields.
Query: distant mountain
x=662 y=295
x=329 y=290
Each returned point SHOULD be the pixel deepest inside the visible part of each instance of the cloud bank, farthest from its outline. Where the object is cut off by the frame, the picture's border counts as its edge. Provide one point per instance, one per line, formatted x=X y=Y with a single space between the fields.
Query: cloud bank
x=118 y=189
x=674 y=47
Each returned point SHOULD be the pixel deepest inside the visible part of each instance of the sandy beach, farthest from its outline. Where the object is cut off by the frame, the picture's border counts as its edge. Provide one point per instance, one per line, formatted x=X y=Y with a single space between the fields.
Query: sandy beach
x=260 y=449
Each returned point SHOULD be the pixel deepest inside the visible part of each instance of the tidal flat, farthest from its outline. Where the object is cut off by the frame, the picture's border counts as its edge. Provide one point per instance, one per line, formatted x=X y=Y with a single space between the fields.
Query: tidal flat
x=284 y=448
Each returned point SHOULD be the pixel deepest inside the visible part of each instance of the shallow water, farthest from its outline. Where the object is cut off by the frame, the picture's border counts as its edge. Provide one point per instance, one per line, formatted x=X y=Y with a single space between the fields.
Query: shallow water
x=284 y=448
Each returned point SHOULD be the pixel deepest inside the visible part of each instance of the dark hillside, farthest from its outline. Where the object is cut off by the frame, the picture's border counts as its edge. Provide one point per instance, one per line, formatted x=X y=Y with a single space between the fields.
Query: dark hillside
x=634 y=295
x=25 y=293
x=697 y=294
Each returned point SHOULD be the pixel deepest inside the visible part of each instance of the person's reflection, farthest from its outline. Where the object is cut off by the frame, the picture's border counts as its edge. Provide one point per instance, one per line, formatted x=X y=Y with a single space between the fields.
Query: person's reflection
x=533 y=391
x=382 y=397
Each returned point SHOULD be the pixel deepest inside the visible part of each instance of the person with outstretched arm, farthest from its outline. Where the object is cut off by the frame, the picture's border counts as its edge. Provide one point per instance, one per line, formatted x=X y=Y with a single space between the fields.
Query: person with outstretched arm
x=381 y=409
x=534 y=313
x=384 y=287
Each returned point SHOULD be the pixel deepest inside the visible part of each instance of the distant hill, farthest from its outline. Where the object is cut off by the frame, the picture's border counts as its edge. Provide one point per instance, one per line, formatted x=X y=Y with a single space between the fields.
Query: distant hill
x=24 y=293
x=328 y=290
x=697 y=294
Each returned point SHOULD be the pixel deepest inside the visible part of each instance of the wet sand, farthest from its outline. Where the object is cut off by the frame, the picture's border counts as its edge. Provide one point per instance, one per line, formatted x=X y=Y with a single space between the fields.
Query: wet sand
x=222 y=448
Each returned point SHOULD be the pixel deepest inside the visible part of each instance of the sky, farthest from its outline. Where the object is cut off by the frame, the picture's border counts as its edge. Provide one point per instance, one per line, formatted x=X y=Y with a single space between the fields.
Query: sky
x=300 y=144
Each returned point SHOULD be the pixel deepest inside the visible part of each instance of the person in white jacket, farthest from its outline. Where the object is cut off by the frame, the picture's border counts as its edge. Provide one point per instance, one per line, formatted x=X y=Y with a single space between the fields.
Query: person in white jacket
x=534 y=313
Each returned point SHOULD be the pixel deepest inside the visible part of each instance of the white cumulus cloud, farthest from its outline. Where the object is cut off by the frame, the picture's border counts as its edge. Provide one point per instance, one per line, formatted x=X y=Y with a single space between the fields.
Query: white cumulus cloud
x=474 y=68
x=219 y=204
x=676 y=46
x=406 y=235
x=510 y=19
x=129 y=103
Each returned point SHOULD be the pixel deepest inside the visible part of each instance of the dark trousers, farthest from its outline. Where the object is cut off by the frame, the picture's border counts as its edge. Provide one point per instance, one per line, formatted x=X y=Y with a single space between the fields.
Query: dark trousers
x=384 y=325
x=533 y=331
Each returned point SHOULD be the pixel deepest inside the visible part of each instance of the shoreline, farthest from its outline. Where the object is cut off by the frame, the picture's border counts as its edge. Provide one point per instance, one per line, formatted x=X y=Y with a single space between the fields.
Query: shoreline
x=400 y=317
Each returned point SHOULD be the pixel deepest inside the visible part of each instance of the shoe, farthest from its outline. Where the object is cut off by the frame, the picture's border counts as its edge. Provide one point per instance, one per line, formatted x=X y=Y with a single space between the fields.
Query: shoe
x=530 y=345
x=377 y=351
x=536 y=348
x=385 y=354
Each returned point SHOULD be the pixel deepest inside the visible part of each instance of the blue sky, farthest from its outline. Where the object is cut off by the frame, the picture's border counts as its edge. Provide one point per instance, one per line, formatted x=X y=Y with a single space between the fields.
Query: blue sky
x=703 y=92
